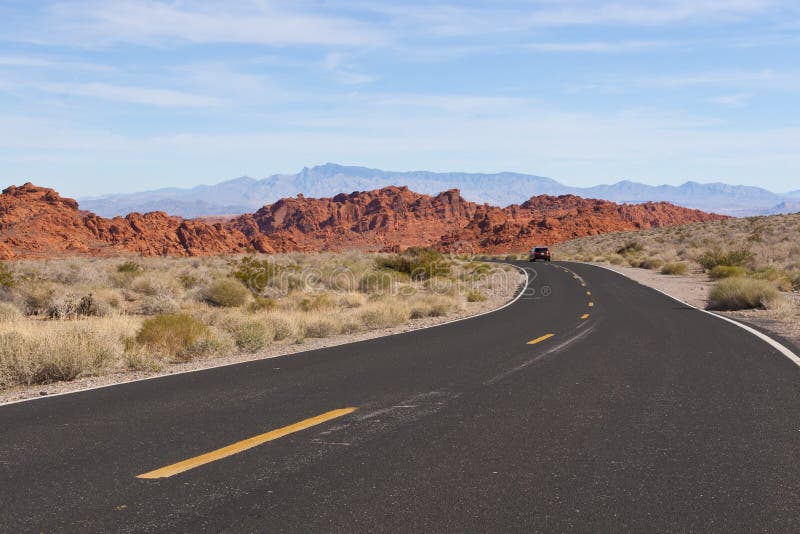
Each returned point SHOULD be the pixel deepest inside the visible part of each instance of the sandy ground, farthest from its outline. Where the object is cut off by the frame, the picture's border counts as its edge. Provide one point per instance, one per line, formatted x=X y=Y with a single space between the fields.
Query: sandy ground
x=497 y=296
x=694 y=287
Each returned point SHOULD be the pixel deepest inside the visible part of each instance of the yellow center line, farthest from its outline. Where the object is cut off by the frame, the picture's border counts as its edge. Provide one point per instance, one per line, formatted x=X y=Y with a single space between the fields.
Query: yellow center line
x=585 y=316
x=591 y=304
x=589 y=293
x=244 y=445
x=540 y=339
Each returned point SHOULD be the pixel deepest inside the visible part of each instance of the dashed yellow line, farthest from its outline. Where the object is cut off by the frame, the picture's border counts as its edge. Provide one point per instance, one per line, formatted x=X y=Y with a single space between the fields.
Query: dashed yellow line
x=244 y=445
x=589 y=293
x=591 y=304
x=585 y=316
x=540 y=339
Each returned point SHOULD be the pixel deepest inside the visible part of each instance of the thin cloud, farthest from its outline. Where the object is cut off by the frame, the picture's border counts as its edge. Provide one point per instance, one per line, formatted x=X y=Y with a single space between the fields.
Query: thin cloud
x=154 y=22
x=132 y=95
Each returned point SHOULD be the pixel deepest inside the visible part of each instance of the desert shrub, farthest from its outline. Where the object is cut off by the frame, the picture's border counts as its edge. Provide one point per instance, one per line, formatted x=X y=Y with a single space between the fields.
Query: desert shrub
x=175 y=335
x=158 y=305
x=36 y=357
x=260 y=303
x=376 y=282
x=475 y=296
x=742 y=293
x=431 y=306
x=7 y=279
x=282 y=328
x=418 y=262
x=351 y=300
x=796 y=281
x=130 y=267
x=155 y=286
x=257 y=275
x=9 y=313
x=781 y=278
x=717 y=256
x=674 y=268
x=726 y=271
x=188 y=281
x=70 y=306
x=320 y=327
x=631 y=247
x=383 y=315
x=318 y=302
x=650 y=263
x=615 y=260
x=226 y=293
x=36 y=297
x=141 y=360
x=252 y=336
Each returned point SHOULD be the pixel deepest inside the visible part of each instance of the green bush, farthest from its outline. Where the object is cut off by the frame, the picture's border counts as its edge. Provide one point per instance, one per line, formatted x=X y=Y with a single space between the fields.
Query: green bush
x=631 y=247
x=188 y=281
x=175 y=335
x=252 y=336
x=742 y=294
x=717 y=256
x=257 y=275
x=375 y=282
x=7 y=279
x=418 y=262
x=781 y=278
x=262 y=304
x=674 y=268
x=130 y=267
x=726 y=271
x=226 y=293
x=650 y=263
x=475 y=296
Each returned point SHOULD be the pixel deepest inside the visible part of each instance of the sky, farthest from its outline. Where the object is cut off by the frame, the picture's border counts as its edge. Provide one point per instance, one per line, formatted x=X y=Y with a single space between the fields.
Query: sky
x=103 y=97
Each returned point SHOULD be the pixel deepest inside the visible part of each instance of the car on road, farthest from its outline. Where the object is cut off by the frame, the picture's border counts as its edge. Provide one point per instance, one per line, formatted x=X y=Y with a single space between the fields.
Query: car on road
x=540 y=253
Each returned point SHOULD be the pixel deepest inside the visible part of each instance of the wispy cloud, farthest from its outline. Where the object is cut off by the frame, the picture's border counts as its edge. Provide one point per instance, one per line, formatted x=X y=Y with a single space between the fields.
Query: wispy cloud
x=154 y=22
x=336 y=64
x=132 y=95
x=738 y=100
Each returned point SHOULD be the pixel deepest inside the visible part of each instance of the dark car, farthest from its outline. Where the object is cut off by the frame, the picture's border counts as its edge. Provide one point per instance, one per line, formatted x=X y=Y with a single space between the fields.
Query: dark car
x=540 y=253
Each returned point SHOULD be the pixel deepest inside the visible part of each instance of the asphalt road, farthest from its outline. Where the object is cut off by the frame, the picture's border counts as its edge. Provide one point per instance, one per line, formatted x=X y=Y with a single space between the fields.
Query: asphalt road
x=644 y=415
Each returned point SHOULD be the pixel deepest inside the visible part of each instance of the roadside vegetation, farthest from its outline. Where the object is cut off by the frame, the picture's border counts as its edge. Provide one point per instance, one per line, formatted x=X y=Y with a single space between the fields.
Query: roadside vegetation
x=754 y=262
x=67 y=318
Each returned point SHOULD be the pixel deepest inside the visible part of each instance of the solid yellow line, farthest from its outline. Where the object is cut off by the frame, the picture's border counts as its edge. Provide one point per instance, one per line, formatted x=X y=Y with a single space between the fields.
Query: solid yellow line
x=540 y=339
x=591 y=304
x=243 y=445
x=585 y=316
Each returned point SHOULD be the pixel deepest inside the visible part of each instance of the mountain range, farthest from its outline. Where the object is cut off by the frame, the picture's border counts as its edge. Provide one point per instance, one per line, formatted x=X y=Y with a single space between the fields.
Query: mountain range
x=37 y=222
x=245 y=194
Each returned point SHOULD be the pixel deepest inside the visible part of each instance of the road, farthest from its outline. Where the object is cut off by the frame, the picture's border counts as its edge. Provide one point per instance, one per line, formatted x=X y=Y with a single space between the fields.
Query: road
x=592 y=405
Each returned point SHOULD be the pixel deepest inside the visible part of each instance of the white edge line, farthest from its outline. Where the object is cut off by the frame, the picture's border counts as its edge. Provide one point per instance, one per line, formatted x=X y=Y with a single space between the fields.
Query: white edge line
x=783 y=349
x=506 y=305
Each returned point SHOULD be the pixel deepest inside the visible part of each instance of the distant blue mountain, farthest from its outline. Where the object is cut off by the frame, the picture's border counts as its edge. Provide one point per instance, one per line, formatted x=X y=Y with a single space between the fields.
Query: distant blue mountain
x=247 y=194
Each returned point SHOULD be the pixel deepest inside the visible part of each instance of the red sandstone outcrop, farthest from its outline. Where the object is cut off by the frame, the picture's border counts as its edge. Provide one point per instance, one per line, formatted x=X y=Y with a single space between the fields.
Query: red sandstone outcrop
x=36 y=222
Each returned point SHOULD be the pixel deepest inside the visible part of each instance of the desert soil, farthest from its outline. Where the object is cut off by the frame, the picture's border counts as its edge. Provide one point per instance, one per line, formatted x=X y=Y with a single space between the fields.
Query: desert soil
x=497 y=296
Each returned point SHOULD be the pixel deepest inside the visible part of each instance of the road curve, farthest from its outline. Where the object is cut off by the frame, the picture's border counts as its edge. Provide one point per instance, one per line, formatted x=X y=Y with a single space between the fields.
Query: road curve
x=591 y=404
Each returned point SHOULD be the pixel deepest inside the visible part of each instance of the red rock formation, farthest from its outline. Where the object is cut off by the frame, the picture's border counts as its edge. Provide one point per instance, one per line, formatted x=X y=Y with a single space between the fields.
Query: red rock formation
x=37 y=222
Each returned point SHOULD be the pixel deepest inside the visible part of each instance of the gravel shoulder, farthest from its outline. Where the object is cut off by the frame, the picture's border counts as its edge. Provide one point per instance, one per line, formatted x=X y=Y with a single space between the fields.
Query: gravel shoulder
x=694 y=287
x=497 y=296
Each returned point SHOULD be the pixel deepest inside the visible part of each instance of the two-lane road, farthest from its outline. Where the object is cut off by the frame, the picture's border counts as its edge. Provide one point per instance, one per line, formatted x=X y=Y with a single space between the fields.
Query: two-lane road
x=590 y=404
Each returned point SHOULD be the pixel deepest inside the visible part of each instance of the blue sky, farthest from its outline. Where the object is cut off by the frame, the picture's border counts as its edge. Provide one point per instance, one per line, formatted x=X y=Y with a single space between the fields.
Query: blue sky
x=99 y=97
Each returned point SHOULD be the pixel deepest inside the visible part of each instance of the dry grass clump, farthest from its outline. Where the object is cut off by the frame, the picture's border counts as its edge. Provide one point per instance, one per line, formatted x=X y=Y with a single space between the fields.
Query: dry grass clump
x=741 y=294
x=726 y=271
x=177 y=336
x=226 y=293
x=45 y=351
x=675 y=268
